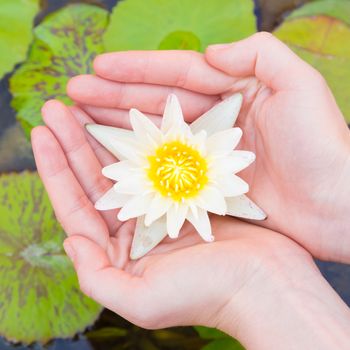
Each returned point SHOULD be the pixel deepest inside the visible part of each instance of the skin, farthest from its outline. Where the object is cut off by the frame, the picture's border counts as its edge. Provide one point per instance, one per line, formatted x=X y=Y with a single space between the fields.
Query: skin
x=250 y=278
x=289 y=120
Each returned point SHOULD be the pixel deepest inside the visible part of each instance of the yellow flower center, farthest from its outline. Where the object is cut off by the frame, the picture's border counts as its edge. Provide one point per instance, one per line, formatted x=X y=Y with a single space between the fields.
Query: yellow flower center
x=177 y=170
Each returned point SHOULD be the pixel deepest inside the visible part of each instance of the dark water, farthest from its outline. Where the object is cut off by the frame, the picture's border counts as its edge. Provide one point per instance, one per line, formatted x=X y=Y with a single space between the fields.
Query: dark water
x=182 y=338
x=12 y=142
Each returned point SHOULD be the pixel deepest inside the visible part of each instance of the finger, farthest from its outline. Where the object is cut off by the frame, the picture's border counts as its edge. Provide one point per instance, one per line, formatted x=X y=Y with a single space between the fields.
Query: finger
x=121 y=243
x=114 y=288
x=105 y=157
x=184 y=69
x=125 y=231
x=115 y=117
x=81 y=158
x=73 y=208
x=263 y=56
x=99 y=92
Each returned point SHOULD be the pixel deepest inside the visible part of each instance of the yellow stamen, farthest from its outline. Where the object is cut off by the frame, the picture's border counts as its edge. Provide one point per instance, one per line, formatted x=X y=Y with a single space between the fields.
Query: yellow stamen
x=177 y=170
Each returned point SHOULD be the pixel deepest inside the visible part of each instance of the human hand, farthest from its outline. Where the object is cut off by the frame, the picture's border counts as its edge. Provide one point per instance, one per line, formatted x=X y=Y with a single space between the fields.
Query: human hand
x=183 y=282
x=289 y=119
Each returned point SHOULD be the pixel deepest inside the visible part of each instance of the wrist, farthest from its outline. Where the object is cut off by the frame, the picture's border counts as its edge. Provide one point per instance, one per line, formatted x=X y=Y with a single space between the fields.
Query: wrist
x=332 y=214
x=286 y=307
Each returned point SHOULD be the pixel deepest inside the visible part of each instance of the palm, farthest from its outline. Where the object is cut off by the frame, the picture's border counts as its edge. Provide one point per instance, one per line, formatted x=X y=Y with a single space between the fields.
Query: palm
x=176 y=270
x=293 y=167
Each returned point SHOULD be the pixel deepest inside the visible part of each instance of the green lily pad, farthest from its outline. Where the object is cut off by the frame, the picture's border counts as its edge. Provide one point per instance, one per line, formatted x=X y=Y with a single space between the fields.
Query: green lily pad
x=224 y=344
x=181 y=40
x=339 y=9
x=209 y=333
x=39 y=293
x=107 y=333
x=323 y=41
x=65 y=44
x=16 y=22
x=178 y=24
x=220 y=339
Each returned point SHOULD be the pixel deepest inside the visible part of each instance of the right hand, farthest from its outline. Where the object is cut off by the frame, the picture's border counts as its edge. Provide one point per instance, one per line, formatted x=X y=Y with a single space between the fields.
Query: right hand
x=289 y=119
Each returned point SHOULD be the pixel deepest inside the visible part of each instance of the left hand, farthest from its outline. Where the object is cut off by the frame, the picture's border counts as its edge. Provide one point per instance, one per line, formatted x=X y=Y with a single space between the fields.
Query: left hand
x=247 y=271
x=172 y=284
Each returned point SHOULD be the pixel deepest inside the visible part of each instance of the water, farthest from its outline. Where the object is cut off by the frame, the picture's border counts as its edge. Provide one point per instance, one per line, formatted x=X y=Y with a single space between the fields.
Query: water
x=13 y=142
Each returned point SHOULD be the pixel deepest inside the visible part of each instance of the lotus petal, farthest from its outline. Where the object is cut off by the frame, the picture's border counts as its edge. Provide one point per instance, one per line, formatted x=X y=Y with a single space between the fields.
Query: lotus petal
x=221 y=117
x=146 y=238
x=243 y=207
x=118 y=141
x=111 y=200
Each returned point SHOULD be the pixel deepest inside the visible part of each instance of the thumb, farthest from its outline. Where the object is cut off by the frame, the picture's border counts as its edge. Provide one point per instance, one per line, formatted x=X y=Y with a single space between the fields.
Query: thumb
x=265 y=57
x=99 y=279
x=85 y=254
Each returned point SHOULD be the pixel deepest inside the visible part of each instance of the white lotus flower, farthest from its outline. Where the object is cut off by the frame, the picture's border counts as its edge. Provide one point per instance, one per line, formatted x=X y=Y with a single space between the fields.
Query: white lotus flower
x=176 y=173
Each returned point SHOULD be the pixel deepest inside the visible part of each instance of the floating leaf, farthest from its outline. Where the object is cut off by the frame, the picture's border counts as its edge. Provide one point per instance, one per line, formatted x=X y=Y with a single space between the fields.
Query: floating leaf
x=16 y=22
x=107 y=333
x=180 y=40
x=209 y=333
x=39 y=293
x=65 y=44
x=339 y=9
x=323 y=41
x=224 y=344
x=220 y=339
x=178 y=24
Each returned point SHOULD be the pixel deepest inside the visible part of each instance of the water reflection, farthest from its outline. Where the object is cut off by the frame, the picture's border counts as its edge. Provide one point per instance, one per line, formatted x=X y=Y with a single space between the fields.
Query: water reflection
x=15 y=150
x=339 y=277
x=59 y=344
x=7 y=115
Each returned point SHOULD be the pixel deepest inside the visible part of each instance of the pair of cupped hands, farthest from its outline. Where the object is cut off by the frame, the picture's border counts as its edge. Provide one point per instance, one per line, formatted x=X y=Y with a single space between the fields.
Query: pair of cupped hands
x=243 y=283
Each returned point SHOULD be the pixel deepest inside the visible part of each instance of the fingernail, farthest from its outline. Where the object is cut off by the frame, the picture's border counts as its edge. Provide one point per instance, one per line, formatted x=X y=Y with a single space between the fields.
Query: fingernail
x=219 y=46
x=68 y=248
